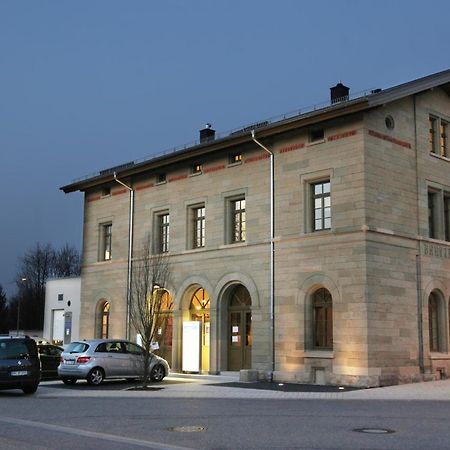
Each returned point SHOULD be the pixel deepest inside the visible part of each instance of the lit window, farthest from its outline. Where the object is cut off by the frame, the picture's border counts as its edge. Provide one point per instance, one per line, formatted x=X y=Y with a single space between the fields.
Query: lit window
x=199 y=221
x=235 y=158
x=238 y=220
x=163 y=228
x=105 y=321
x=197 y=169
x=106 y=243
x=321 y=200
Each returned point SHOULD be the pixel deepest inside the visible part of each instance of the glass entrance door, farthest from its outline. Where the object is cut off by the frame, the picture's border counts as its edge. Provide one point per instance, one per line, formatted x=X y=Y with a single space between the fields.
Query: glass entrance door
x=200 y=311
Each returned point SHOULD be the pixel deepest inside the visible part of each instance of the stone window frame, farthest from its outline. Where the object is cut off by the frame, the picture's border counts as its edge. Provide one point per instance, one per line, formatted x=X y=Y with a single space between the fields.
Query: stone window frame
x=437 y=322
x=192 y=222
x=229 y=198
x=307 y=181
x=105 y=241
x=438 y=211
x=161 y=231
x=438 y=141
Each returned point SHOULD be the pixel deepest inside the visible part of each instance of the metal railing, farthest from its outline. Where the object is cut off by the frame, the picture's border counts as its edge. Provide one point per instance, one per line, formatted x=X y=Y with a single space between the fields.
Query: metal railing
x=234 y=132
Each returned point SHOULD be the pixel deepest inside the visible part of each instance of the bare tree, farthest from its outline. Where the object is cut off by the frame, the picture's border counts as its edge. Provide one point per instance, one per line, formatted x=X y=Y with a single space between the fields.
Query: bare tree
x=4 y=312
x=38 y=265
x=66 y=262
x=151 y=274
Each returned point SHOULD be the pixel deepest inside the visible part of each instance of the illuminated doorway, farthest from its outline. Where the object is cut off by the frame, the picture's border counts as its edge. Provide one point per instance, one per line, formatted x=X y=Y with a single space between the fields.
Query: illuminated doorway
x=240 y=336
x=199 y=310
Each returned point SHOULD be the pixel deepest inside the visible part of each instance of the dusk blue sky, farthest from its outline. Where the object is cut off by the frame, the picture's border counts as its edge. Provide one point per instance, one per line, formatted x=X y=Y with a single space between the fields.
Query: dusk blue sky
x=86 y=85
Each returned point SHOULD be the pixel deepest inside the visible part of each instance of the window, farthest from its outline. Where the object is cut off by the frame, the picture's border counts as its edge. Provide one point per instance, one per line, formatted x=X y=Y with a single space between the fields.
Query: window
x=60 y=297
x=163 y=232
x=197 y=169
x=105 y=321
x=322 y=310
x=161 y=178
x=432 y=200
x=447 y=217
x=235 y=158
x=198 y=226
x=106 y=242
x=435 y=325
x=238 y=228
x=316 y=135
x=438 y=136
x=106 y=191
x=438 y=214
x=321 y=201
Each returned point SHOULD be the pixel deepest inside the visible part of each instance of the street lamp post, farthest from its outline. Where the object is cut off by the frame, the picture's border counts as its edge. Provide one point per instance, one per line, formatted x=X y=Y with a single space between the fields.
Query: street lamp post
x=23 y=280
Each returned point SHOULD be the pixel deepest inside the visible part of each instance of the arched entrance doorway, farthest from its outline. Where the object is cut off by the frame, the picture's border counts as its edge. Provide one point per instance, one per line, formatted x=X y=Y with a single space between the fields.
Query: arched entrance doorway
x=199 y=310
x=164 y=329
x=240 y=335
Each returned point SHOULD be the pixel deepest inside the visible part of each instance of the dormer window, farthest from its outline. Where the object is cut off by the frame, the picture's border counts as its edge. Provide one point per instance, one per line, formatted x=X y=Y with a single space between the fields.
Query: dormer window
x=235 y=158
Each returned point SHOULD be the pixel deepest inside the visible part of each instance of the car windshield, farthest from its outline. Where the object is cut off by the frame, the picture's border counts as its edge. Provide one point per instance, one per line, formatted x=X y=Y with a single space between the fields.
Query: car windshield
x=15 y=350
x=76 y=347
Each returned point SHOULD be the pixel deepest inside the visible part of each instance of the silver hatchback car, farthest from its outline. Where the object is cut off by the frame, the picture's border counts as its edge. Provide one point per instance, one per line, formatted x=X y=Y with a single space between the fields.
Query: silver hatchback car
x=97 y=359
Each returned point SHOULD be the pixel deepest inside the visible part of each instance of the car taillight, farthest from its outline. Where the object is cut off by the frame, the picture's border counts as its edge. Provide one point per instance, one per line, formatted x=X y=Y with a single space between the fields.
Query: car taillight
x=83 y=359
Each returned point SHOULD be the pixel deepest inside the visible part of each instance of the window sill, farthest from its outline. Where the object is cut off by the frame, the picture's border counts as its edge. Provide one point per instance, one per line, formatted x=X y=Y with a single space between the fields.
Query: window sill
x=235 y=164
x=319 y=141
x=195 y=174
x=159 y=183
x=325 y=354
x=444 y=158
x=234 y=244
x=439 y=355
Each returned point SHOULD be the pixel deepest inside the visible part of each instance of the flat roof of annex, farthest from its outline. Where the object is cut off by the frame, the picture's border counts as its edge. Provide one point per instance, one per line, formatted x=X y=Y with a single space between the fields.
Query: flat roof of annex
x=288 y=122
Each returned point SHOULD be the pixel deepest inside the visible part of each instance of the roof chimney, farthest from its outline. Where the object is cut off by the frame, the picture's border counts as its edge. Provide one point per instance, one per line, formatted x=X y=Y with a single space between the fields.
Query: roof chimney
x=339 y=93
x=207 y=134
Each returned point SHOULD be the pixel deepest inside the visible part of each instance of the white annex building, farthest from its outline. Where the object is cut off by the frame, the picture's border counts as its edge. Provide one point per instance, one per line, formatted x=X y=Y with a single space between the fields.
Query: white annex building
x=62 y=310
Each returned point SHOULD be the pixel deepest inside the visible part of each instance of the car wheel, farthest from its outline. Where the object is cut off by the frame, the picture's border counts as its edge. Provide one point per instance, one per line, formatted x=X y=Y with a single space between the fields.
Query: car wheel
x=96 y=376
x=30 y=389
x=69 y=381
x=158 y=373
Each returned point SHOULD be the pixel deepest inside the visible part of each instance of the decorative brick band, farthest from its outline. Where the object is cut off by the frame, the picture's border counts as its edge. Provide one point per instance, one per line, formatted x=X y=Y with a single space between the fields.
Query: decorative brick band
x=257 y=158
x=346 y=134
x=94 y=198
x=144 y=186
x=291 y=148
x=214 y=169
x=389 y=139
x=119 y=192
x=177 y=177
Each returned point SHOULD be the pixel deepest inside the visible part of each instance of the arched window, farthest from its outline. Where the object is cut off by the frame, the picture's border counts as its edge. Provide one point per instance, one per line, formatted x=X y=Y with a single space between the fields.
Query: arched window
x=433 y=323
x=322 y=309
x=105 y=320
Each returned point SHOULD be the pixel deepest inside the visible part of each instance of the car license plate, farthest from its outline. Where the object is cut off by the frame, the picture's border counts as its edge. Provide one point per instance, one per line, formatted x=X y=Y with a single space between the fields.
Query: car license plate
x=18 y=373
x=69 y=361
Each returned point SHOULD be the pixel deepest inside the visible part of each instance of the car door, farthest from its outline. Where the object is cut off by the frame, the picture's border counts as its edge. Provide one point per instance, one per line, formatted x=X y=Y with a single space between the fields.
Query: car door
x=135 y=359
x=116 y=359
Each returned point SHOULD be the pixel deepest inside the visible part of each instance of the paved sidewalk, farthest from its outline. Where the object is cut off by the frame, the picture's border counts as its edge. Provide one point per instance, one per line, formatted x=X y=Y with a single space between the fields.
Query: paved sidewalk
x=207 y=386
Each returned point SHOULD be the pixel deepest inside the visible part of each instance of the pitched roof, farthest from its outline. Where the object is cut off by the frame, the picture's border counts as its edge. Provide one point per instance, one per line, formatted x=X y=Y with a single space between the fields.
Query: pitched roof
x=267 y=128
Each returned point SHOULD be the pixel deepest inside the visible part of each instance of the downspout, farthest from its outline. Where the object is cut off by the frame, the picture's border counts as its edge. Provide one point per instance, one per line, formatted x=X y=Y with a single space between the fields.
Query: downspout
x=418 y=256
x=130 y=253
x=272 y=248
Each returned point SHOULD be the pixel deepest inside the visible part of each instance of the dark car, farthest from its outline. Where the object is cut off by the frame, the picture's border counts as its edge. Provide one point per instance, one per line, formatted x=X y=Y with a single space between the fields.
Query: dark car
x=50 y=356
x=20 y=367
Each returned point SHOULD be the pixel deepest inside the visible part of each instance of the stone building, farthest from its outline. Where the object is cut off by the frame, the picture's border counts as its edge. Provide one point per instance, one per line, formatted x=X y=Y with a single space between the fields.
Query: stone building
x=346 y=280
